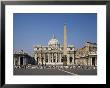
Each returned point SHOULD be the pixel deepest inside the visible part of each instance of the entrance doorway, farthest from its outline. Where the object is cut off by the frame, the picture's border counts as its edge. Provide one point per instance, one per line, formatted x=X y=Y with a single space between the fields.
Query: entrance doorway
x=93 y=61
x=21 y=61
x=71 y=59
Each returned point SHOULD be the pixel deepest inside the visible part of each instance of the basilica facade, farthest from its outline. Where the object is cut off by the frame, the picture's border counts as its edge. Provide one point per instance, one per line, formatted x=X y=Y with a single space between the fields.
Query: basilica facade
x=53 y=54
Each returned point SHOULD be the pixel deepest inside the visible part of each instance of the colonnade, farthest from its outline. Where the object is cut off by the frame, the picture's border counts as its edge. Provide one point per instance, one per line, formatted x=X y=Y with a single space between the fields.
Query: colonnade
x=53 y=58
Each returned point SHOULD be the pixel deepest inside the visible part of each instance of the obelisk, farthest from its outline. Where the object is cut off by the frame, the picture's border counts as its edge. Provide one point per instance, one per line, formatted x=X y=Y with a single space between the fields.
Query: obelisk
x=65 y=39
x=65 y=46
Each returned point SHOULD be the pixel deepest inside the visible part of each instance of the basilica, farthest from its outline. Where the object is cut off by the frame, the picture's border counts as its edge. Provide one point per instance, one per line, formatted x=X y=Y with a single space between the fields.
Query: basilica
x=54 y=52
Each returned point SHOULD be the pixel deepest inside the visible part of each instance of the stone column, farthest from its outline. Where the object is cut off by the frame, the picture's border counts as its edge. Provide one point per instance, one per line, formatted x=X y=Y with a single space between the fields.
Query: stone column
x=44 y=58
x=52 y=57
x=48 y=58
x=24 y=61
x=91 y=61
x=73 y=59
x=60 y=57
x=14 y=59
x=68 y=59
x=56 y=57
x=40 y=58
x=18 y=60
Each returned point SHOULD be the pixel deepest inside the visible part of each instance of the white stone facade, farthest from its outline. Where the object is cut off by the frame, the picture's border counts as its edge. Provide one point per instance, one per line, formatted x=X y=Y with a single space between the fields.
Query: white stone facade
x=53 y=53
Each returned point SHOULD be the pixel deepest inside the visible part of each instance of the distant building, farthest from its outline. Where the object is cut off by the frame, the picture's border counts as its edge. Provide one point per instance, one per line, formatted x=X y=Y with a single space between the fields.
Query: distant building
x=87 y=55
x=21 y=58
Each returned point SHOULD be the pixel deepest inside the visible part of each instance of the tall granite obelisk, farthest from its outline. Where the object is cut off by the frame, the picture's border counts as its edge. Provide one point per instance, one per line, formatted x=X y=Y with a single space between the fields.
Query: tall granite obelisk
x=65 y=45
x=65 y=39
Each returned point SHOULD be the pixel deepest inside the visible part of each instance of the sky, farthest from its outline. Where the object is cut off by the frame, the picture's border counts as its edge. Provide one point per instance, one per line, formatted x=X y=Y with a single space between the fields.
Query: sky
x=31 y=29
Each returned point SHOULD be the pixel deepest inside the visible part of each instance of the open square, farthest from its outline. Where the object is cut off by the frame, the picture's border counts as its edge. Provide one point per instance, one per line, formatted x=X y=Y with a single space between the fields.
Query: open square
x=74 y=53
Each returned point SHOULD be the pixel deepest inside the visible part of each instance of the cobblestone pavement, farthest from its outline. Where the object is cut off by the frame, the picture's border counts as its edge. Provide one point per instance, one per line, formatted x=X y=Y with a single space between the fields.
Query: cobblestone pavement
x=54 y=71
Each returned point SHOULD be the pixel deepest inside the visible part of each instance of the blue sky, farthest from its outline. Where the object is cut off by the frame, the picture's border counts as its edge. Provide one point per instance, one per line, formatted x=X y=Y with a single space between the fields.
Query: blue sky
x=37 y=28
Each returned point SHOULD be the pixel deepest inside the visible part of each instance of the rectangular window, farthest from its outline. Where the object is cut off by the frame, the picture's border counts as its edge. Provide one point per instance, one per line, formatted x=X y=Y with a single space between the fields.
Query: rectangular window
x=61 y=60
x=53 y=60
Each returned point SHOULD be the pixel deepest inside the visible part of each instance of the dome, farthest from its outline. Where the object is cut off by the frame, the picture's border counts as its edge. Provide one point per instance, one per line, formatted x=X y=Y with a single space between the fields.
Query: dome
x=53 y=41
